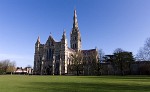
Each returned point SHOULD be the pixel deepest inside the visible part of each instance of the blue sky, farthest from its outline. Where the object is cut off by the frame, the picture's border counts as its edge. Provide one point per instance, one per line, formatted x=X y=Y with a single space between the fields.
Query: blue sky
x=105 y=24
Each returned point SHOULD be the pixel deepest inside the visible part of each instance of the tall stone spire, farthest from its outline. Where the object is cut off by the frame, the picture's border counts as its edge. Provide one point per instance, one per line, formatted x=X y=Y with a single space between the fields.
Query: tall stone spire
x=75 y=41
x=75 y=22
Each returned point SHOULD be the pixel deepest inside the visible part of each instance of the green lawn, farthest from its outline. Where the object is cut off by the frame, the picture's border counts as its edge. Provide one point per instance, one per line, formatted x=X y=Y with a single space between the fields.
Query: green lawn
x=21 y=83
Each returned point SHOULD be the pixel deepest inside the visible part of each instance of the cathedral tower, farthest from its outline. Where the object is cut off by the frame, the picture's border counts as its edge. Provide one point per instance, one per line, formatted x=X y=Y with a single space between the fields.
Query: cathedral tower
x=37 y=57
x=75 y=37
x=63 y=54
x=37 y=45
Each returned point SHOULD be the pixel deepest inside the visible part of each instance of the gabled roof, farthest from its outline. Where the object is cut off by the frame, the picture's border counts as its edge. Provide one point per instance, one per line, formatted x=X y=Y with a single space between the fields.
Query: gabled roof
x=71 y=49
x=90 y=50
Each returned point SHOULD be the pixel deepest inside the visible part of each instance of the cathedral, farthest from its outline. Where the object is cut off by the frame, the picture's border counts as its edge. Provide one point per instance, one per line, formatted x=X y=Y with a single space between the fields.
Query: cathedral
x=54 y=58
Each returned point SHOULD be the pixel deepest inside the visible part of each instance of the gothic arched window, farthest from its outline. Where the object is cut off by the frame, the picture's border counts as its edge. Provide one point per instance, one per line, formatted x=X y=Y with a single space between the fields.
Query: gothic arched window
x=75 y=45
x=75 y=38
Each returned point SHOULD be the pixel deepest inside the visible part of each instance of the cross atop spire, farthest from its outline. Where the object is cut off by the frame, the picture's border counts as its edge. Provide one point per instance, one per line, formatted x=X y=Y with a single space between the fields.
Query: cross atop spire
x=75 y=22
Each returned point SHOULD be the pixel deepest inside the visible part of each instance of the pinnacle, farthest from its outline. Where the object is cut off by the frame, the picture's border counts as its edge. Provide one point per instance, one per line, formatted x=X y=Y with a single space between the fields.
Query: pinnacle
x=64 y=33
x=38 y=39
x=75 y=22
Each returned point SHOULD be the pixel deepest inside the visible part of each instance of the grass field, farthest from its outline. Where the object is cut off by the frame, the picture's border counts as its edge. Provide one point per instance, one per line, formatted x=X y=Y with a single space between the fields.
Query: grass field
x=21 y=83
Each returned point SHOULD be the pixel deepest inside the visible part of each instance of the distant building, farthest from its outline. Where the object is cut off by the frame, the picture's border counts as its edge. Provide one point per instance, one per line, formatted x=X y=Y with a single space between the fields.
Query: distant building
x=26 y=70
x=53 y=58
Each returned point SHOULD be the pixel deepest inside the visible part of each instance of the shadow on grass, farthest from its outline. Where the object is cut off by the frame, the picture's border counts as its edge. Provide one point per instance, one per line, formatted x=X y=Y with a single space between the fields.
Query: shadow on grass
x=83 y=87
x=119 y=77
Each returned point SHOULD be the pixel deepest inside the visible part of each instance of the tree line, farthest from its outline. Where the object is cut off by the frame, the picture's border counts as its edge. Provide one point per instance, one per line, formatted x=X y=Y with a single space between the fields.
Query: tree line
x=7 y=66
x=144 y=52
x=121 y=61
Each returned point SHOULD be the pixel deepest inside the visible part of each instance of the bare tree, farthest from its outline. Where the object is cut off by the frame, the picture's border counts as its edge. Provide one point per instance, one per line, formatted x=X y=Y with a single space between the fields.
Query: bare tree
x=77 y=62
x=7 y=66
x=123 y=59
x=144 y=52
x=95 y=64
x=101 y=55
x=11 y=67
x=118 y=50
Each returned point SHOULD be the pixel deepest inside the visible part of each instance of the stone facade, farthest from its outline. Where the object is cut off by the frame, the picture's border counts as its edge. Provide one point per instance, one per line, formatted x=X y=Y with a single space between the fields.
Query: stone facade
x=53 y=58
